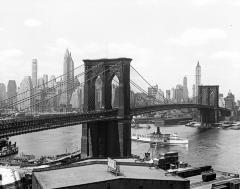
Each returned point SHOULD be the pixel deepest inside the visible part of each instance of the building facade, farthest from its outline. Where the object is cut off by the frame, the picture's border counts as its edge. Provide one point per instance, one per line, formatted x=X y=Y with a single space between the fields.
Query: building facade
x=25 y=95
x=3 y=95
x=45 y=79
x=77 y=100
x=11 y=93
x=231 y=104
x=34 y=72
x=197 y=78
x=152 y=91
x=185 y=90
x=179 y=93
x=168 y=94
x=68 y=79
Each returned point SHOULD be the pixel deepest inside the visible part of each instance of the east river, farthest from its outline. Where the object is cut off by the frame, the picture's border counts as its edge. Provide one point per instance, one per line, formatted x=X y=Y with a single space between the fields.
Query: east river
x=217 y=147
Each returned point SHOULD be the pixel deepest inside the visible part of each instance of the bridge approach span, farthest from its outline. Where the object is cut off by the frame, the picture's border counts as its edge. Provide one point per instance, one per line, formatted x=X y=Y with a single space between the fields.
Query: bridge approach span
x=17 y=126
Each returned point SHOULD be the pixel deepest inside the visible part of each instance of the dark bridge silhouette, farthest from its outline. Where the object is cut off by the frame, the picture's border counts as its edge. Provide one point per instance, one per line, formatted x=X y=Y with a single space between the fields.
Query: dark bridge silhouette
x=107 y=132
x=161 y=107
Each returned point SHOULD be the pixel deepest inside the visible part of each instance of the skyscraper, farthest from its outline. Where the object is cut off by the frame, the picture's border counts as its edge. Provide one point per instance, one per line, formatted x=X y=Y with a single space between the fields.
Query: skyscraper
x=3 y=94
x=52 y=82
x=198 y=78
x=194 y=91
x=41 y=83
x=24 y=94
x=179 y=93
x=45 y=79
x=168 y=94
x=172 y=94
x=152 y=91
x=185 y=90
x=34 y=72
x=68 y=78
x=77 y=99
x=11 y=93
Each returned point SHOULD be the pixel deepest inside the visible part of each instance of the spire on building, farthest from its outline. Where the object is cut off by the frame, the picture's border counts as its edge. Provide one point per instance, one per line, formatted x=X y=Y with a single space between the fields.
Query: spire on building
x=67 y=53
x=197 y=77
x=198 y=65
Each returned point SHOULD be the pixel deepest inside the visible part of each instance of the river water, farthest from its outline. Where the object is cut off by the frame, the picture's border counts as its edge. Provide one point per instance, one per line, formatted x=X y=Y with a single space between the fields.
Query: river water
x=217 y=147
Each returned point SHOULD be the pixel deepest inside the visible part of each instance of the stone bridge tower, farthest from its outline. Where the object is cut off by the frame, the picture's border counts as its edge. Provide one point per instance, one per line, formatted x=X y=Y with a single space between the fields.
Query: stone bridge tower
x=111 y=138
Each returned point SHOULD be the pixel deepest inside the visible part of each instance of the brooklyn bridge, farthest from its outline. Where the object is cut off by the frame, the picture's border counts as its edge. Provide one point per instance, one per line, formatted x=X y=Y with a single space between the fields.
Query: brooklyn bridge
x=106 y=131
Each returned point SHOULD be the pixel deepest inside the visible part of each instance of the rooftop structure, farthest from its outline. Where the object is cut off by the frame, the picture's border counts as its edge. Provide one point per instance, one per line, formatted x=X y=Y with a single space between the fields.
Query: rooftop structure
x=94 y=174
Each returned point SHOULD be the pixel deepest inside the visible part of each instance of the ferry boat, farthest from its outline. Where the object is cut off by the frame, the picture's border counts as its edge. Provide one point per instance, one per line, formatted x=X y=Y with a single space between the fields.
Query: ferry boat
x=159 y=138
x=7 y=148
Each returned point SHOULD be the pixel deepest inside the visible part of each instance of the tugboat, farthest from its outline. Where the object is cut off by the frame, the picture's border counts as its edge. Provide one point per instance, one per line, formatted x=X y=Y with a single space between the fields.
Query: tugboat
x=7 y=148
x=160 y=138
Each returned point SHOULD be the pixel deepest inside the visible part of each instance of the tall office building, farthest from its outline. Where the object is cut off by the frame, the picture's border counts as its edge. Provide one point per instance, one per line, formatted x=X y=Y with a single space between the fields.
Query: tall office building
x=152 y=91
x=45 y=79
x=3 y=94
x=172 y=94
x=185 y=90
x=77 y=100
x=168 y=94
x=230 y=101
x=11 y=93
x=198 y=78
x=68 y=78
x=41 y=83
x=159 y=96
x=231 y=104
x=25 y=92
x=179 y=93
x=34 y=72
x=221 y=101
x=193 y=91
x=52 y=81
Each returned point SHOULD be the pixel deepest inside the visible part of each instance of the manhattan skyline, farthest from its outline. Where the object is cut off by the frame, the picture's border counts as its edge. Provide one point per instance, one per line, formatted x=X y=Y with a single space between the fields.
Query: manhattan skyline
x=167 y=36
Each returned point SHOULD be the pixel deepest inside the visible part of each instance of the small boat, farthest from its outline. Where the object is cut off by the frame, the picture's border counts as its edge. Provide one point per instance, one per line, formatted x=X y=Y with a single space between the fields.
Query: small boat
x=7 y=148
x=197 y=124
x=193 y=124
x=159 y=138
x=227 y=124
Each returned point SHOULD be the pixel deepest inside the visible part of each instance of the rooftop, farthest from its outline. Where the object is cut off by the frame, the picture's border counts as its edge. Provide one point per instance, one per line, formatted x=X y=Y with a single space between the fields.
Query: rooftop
x=91 y=171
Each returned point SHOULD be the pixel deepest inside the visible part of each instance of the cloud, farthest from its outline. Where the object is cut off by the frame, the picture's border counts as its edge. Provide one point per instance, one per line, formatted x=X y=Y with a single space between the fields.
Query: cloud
x=147 y=2
x=214 y=2
x=203 y=2
x=10 y=53
x=32 y=22
x=96 y=50
x=233 y=56
x=197 y=36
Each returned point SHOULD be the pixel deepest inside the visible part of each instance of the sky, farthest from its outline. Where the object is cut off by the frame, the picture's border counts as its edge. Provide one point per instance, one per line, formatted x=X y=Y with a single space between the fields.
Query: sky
x=165 y=38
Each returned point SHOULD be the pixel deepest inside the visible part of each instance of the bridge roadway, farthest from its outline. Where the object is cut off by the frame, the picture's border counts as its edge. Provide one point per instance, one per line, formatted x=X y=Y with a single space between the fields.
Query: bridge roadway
x=22 y=125
x=161 y=107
